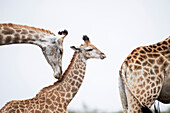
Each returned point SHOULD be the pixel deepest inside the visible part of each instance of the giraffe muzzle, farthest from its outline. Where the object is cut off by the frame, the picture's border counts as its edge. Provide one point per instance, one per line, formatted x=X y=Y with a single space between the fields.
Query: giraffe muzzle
x=58 y=76
x=103 y=56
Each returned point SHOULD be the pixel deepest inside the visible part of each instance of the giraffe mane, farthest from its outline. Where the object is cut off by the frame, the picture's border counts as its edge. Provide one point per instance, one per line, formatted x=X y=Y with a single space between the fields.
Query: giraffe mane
x=64 y=74
x=27 y=27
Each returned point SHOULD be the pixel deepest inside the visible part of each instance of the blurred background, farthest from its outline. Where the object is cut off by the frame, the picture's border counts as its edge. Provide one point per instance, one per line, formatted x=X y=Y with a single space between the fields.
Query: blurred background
x=116 y=27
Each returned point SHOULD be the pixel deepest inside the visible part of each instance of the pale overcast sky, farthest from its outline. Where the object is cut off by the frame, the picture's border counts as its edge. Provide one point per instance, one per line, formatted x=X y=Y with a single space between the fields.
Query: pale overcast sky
x=116 y=27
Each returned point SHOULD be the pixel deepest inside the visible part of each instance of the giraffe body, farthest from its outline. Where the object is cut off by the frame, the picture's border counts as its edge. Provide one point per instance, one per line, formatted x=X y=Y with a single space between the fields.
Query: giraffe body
x=145 y=77
x=55 y=98
x=51 y=45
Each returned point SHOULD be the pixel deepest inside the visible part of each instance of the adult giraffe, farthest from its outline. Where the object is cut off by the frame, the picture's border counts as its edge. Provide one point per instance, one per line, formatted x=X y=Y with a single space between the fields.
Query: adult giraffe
x=51 y=45
x=145 y=77
x=55 y=98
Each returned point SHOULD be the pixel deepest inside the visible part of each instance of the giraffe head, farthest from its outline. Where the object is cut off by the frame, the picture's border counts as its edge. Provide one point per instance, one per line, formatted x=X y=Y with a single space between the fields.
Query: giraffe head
x=53 y=53
x=88 y=50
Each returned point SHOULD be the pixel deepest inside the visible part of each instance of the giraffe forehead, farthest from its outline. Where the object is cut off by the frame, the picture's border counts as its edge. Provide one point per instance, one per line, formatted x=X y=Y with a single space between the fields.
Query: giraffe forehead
x=91 y=45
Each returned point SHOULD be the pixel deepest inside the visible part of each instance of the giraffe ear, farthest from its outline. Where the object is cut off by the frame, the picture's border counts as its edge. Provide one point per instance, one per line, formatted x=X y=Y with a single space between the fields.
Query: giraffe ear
x=75 y=48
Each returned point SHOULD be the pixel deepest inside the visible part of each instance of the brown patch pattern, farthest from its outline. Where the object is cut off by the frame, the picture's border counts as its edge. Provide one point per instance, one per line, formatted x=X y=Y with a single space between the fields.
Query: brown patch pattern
x=145 y=74
x=56 y=97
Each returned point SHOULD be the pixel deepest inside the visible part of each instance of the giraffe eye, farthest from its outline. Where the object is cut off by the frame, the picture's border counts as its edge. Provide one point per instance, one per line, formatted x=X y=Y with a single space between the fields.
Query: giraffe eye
x=89 y=50
x=60 y=51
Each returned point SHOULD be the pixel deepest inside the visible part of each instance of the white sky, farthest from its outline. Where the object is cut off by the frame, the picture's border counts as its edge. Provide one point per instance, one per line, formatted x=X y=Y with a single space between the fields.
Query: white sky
x=116 y=27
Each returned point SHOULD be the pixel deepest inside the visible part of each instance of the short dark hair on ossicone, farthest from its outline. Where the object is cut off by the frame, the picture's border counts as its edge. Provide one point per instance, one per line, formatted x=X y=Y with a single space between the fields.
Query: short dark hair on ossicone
x=65 y=32
x=85 y=37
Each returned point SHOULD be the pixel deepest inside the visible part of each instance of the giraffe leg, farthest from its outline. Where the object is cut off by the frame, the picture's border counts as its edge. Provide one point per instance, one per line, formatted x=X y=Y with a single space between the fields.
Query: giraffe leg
x=146 y=95
x=164 y=96
x=133 y=105
x=123 y=95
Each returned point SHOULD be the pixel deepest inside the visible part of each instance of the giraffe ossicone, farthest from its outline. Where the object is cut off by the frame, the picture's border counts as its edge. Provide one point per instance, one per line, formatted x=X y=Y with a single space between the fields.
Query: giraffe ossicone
x=55 y=98
x=51 y=44
x=145 y=77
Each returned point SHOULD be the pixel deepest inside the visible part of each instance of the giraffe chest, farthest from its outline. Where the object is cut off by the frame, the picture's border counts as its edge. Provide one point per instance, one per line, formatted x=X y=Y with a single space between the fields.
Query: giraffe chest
x=165 y=92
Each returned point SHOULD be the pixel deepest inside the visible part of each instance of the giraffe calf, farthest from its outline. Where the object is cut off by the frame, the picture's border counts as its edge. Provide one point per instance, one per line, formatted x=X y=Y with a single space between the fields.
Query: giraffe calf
x=55 y=98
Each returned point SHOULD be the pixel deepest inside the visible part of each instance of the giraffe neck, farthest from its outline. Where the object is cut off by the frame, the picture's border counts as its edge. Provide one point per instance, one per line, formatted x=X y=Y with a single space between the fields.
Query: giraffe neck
x=15 y=34
x=71 y=81
x=54 y=98
x=74 y=76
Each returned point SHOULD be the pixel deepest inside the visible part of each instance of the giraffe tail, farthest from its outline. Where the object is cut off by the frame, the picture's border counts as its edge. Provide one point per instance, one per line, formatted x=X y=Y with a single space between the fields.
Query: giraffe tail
x=123 y=75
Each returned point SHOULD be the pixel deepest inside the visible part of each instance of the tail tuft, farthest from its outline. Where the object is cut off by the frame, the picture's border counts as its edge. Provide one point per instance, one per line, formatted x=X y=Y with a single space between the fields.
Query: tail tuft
x=145 y=109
